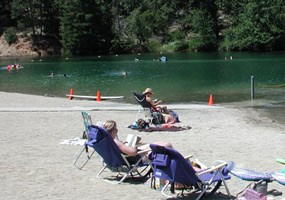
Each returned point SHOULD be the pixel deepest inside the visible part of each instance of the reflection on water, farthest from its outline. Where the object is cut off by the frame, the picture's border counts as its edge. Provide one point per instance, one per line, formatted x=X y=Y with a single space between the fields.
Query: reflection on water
x=185 y=77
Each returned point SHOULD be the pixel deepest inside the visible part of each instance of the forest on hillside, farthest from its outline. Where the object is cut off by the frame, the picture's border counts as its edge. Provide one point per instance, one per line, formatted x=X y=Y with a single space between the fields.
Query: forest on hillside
x=90 y=27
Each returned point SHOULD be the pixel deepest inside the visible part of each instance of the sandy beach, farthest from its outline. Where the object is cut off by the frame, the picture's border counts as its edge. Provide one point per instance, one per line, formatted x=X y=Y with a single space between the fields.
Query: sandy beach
x=34 y=165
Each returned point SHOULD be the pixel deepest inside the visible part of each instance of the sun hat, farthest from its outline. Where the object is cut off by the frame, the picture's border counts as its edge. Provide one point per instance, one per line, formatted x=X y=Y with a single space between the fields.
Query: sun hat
x=148 y=90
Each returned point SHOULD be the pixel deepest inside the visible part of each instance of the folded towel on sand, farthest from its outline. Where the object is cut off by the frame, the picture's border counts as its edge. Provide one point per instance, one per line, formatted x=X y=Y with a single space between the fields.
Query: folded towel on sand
x=75 y=141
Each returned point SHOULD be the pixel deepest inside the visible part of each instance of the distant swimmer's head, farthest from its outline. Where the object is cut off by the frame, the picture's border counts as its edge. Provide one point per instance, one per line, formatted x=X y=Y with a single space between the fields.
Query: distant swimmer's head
x=18 y=66
x=124 y=73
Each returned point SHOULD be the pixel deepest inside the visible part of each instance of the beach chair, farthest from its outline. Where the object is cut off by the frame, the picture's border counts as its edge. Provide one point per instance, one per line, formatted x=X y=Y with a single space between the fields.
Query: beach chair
x=87 y=121
x=113 y=159
x=150 y=115
x=170 y=165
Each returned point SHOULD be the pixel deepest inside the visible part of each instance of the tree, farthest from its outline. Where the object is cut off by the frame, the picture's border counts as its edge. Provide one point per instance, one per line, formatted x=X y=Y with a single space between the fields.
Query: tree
x=5 y=15
x=204 y=26
x=156 y=19
x=50 y=16
x=204 y=37
x=259 y=27
x=85 y=27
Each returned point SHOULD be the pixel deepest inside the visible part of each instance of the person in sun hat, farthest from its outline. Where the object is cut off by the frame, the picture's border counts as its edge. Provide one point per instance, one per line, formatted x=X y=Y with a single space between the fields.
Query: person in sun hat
x=154 y=104
x=169 y=115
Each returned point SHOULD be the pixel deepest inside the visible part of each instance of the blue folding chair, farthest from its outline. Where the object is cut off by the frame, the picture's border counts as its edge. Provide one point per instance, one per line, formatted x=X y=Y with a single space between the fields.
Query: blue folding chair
x=170 y=165
x=102 y=143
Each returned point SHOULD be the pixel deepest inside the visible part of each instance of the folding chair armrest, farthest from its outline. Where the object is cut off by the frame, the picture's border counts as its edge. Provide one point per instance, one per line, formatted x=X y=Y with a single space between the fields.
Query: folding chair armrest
x=187 y=157
x=138 y=153
x=143 y=151
x=214 y=168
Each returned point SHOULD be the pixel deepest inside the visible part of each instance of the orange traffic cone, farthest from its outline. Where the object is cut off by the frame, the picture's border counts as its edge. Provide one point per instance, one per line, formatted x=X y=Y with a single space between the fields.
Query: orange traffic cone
x=211 y=100
x=70 y=97
x=98 y=96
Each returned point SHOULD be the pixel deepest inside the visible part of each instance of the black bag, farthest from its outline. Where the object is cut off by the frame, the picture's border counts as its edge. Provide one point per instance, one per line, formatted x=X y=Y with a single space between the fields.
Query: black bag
x=142 y=124
x=158 y=118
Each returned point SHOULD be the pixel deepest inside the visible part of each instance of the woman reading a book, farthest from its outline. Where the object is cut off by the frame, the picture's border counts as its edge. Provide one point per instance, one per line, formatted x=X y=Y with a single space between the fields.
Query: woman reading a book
x=111 y=127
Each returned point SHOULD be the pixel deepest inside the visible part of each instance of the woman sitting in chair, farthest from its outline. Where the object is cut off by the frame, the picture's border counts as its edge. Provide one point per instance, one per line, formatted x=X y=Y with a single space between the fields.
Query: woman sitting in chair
x=169 y=115
x=111 y=127
x=154 y=104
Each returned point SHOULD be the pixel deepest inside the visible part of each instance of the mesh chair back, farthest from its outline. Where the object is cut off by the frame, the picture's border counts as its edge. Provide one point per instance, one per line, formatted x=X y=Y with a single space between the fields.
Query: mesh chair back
x=141 y=99
x=86 y=120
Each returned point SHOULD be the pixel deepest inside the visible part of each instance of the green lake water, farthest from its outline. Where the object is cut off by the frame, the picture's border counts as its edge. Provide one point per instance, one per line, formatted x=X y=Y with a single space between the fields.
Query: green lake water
x=184 y=78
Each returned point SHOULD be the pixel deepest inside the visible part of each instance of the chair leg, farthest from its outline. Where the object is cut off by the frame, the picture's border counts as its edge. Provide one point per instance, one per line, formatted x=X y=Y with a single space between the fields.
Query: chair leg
x=125 y=175
x=100 y=172
x=86 y=161
x=202 y=193
x=113 y=182
x=139 y=111
x=227 y=189
x=163 y=191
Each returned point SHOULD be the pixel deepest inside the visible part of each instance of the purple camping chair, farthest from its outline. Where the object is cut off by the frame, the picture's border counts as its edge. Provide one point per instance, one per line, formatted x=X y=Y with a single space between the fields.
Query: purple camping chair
x=168 y=164
x=113 y=159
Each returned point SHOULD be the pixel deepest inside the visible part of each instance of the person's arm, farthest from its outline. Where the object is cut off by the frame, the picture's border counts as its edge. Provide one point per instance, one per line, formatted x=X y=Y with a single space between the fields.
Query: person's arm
x=158 y=102
x=126 y=149
x=153 y=104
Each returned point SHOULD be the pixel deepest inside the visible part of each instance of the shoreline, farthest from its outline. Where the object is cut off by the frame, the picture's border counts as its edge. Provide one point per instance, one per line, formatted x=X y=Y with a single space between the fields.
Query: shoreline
x=34 y=161
x=276 y=115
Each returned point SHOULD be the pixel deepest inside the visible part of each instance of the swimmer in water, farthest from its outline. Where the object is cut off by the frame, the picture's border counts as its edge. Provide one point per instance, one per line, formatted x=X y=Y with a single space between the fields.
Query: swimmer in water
x=14 y=66
x=18 y=66
x=124 y=73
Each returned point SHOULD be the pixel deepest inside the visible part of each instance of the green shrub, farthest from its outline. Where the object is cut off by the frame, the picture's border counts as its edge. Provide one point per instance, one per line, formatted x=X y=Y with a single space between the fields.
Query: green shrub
x=10 y=35
x=225 y=45
x=154 y=46
x=195 y=43
x=171 y=47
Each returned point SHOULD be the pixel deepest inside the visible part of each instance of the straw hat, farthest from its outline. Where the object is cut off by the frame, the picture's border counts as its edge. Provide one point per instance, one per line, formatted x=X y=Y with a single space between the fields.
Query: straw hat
x=148 y=90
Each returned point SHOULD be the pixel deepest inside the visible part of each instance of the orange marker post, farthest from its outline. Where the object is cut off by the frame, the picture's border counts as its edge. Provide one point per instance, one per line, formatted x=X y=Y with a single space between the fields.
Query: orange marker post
x=98 y=96
x=70 y=97
x=211 y=100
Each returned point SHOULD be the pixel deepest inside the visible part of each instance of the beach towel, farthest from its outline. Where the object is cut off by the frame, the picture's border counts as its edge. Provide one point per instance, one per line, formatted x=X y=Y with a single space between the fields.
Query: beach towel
x=166 y=127
x=74 y=141
x=162 y=127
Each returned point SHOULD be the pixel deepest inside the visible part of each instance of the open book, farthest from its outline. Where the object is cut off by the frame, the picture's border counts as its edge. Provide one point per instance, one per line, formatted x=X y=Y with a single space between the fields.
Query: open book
x=132 y=140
